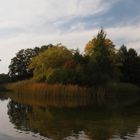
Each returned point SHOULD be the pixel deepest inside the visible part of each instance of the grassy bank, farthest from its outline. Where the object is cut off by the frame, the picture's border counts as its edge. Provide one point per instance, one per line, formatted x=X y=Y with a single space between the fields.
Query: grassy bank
x=73 y=95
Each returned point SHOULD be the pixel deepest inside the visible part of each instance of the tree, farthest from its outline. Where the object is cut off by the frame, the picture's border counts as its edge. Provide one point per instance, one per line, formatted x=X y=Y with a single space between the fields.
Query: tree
x=4 y=78
x=18 y=68
x=45 y=47
x=129 y=65
x=101 y=52
x=50 y=62
x=100 y=42
x=80 y=68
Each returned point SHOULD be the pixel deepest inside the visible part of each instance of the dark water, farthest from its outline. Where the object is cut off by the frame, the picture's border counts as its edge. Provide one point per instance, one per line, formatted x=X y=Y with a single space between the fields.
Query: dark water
x=33 y=122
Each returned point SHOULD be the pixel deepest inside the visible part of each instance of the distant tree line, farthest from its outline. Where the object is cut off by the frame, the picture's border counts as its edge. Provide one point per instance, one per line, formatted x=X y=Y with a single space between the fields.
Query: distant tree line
x=100 y=64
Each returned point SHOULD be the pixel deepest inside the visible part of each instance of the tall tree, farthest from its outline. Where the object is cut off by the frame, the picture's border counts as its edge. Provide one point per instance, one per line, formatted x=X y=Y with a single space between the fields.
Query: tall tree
x=101 y=54
x=129 y=65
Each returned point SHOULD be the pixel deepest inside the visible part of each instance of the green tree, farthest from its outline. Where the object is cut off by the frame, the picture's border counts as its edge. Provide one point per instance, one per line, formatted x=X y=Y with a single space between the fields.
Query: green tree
x=18 y=68
x=80 y=68
x=129 y=65
x=4 y=78
x=101 y=52
x=50 y=62
x=99 y=43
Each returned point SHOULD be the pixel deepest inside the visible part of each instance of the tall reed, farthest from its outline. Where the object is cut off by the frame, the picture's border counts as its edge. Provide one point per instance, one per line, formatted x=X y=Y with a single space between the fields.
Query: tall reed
x=73 y=95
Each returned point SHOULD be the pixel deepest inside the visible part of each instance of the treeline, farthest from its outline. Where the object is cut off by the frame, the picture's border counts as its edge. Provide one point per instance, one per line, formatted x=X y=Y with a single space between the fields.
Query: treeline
x=101 y=63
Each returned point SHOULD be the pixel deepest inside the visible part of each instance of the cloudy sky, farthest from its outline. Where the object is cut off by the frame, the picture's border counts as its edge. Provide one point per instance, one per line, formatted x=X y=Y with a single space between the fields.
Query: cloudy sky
x=30 y=23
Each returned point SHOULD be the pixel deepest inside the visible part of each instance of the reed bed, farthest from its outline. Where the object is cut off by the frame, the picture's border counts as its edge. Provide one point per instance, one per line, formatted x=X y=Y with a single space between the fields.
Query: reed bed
x=59 y=95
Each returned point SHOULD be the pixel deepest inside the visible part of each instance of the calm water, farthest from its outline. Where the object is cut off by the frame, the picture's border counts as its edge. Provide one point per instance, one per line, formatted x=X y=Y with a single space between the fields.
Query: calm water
x=32 y=122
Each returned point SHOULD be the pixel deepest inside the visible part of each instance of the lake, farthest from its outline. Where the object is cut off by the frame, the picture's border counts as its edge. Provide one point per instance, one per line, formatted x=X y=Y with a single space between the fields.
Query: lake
x=24 y=121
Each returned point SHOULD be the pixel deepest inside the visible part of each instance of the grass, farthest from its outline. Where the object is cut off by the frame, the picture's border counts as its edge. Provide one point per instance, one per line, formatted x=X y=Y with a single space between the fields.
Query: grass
x=73 y=95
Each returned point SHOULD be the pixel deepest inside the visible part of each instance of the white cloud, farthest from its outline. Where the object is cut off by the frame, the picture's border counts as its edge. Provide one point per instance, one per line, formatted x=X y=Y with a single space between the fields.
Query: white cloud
x=24 y=11
x=128 y=35
x=25 y=16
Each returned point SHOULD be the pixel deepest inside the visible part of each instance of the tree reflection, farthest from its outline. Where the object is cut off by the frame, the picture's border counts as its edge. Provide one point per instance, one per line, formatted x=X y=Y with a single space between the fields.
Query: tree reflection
x=18 y=114
x=89 y=123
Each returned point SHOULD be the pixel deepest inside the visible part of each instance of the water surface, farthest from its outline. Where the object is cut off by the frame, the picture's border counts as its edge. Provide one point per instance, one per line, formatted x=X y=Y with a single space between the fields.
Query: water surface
x=20 y=121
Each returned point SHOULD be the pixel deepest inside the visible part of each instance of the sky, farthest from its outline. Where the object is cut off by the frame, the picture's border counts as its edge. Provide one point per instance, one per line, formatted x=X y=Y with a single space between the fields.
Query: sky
x=30 y=23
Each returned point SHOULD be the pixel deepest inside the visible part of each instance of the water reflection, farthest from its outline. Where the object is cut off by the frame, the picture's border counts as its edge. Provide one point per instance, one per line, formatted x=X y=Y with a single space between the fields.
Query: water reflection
x=76 y=123
x=80 y=136
x=18 y=115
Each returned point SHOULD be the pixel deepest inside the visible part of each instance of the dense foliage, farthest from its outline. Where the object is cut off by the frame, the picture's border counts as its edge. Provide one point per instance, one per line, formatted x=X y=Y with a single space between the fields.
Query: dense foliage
x=129 y=65
x=18 y=69
x=100 y=64
x=4 y=78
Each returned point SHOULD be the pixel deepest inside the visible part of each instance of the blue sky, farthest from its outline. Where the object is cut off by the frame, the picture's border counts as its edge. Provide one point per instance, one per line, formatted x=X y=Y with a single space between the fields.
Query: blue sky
x=30 y=23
